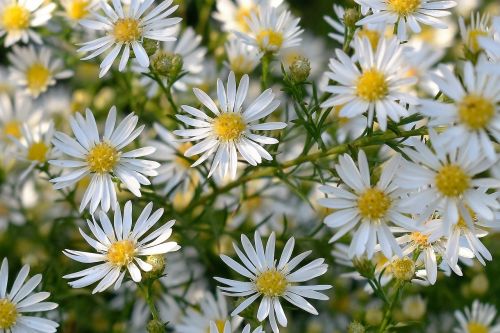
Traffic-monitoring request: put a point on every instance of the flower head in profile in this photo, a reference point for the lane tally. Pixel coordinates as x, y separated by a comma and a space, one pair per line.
102, 157
226, 327
241, 58
479, 26
231, 128
491, 44
271, 280
18, 17
119, 246
125, 28
480, 318
76, 10
16, 304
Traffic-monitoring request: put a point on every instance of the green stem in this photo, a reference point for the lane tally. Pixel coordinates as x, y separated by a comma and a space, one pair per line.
149, 300
266, 60
167, 90
390, 307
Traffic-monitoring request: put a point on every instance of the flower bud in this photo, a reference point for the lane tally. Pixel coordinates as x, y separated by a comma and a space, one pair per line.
351, 16
300, 69
355, 327
403, 269
151, 46
158, 263
364, 267
155, 326
167, 64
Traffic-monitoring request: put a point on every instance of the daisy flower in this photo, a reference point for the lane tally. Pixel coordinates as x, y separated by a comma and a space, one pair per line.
226, 327
403, 13
491, 45
241, 58
272, 30
76, 10
479, 27
231, 130
472, 120
271, 280
20, 301
479, 318
445, 179
376, 85
368, 207
102, 157
126, 28
17, 17
422, 58
35, 71
120, 246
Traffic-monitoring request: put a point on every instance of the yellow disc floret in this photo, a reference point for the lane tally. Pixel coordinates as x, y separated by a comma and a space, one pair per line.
78, 9
269, 39
372, 35
403, 268
229, 126
271, 283
102, 158
404, 7
37, 151
37, 77
242, 14
452, 181
372, 86
15, 17
373, 204
121, 253
475, 111
12, 128
8, 314
419, 239
473, 327
127, 30
473, 41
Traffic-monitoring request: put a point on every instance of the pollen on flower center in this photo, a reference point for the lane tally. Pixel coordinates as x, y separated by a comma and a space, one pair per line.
78, 9
12, 128
373, 204
404, 7
473, 39
475, 111
121, 253
269, 39
452, 181
473, 327
127, 30
37, 77
229, 126
403, 268
372, 86
8, 314
15, 17
271, 283
38, 152
102, 158
418, 238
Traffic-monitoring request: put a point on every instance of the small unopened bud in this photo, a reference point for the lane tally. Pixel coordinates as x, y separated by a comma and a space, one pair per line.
300, 69
151, 46
364, 267
403, 269
158, 263
155, 326
167, 64
351, 16
355, 327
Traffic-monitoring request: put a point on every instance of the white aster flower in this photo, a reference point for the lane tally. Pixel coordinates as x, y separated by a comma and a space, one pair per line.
491, 45
477, 319
17, 17
226, 327
472, 120
422, 58
347, 128
479, 26
76, 10
407, 12
126, 28
368, 207
271, 280
241, 58
272, 30
35, 70
102, 157
119, 247
231, 130
377, 85
20, 300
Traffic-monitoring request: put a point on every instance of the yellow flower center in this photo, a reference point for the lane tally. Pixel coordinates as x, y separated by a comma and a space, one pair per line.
102, 158
372, 35
269, 39
219, 323
372, 86
12, 128
421, 240
78, 9
242, 14
229, 126
127, 30
181, 160
404, 7
37, 77
38, 152
121, 253
472, 39
241, 65
403, 268
452, 181
373, 204
8, 314
15, 17
473, 327
271, 283
476, 111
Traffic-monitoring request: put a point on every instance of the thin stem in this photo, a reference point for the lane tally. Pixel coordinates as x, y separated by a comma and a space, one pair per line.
266, 60
149, 300
388, 312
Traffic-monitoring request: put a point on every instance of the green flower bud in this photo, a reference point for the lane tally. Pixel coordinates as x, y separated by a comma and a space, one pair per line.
167, 64
300, 69
355, 327
403, 269
364, 267
155, 326
158, 262
351, 16
151, 46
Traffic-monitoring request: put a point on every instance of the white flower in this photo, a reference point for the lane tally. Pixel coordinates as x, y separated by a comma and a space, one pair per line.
491, 45
369, 208
76, 10
17, 17
376, 85
422, 58
479, 27
16, 304
241, 58
102, 158
126, 28
347, 128
119, 247
472, 120
446, 180
35, 70
6, 86
226, 327
230, 131
478, 318
272, 280
271, 29
407, 12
